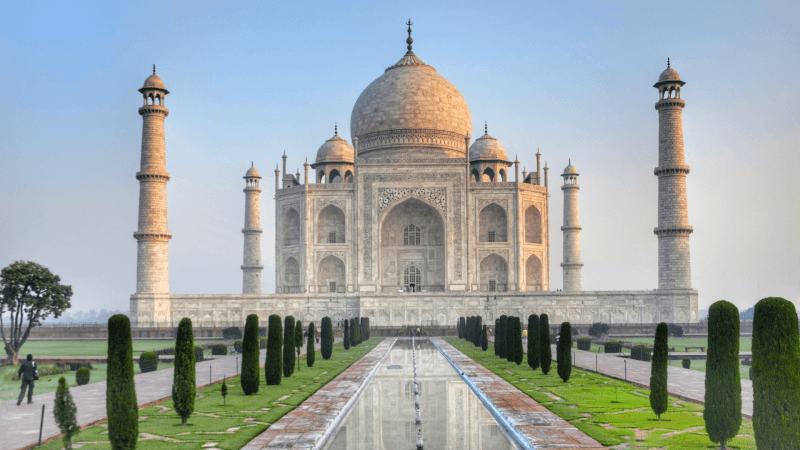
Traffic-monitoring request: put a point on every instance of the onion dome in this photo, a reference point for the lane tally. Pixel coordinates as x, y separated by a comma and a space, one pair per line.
487, 148
570, 170
252, 173
154, 82
335, 149
669, 75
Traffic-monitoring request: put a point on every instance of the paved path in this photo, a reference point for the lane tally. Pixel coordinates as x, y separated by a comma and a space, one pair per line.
303, 426
541, 427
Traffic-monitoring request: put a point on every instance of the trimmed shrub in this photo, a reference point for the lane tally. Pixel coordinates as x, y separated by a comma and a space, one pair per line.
687, 364
298, 341
73, 366
326, 340
262, 342
599, 329
250, 346
510, 344
533, 341
368, 330
311, 352
564, 352
121, 405
198, 354
82, 376
232, 333
165, 351
585, 344
65, 411
238, 346
346, 338
641, 353
288, 346
723, 397
460, 328
545, 353
183, 381
219, 350
519, 352
477, 334
659, 399
612, 347
776, 374
496, 337
675, 330
500, 337
148, 362
353, 332
273, 364
484, 339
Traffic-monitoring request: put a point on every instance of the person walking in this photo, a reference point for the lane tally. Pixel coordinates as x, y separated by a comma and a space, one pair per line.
28, 373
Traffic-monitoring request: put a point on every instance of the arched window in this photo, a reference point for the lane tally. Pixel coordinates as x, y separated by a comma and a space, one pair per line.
488, 175
348, 177
533, 273
412, 278
291, 227
411, 235
331, 226
291, 274
475, 176
503, 175
533, 225
493, 224
334, 177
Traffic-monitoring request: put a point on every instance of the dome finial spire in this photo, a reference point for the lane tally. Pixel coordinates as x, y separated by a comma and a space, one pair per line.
251, 164
154, 69
667, 62
409, 41
335, 128
486, 127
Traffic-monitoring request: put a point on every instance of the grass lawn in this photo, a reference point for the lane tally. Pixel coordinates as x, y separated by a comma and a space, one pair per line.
90, 348
611, 411
233, 424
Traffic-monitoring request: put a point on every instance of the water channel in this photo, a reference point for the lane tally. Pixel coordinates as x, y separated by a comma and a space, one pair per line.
384, 415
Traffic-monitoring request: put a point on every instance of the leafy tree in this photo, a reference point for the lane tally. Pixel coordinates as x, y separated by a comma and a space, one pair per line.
232, 333
545, 353
310, 351
723, 398
183, 381
687, 363
298, 341
598, 329
346, 338
563, 352
326, 340
148, 362
219, 350
533, 341
776, 374
29, 293
288, 346
224, 390
675, 330
273, 364
641, 353
121, 405
250, 353
500, 337
65, 412
659, 398
585, 344
478, 328
484, 339
82, 376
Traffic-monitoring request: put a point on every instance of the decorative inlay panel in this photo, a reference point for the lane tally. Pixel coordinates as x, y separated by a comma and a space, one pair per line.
501, 253
435, 196
484, 202
322, 255
321, 203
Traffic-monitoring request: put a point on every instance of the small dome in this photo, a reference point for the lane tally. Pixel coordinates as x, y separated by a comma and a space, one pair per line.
570, 170
252, 172
487, 147
669, 74
154, 82
335, 149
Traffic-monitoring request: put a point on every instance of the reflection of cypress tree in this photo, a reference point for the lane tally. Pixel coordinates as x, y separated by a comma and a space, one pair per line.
121, 405
723, 399
545, 353
659, 398
250, 350
563, 353
326, 340
347, 335
533, 341
310, 351
500, 337
273, 365
776, 374
288, 346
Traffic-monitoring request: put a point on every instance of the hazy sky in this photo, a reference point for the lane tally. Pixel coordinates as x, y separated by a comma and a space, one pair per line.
249, 81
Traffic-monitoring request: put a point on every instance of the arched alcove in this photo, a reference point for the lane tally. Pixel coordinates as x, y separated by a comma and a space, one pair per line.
493, 224
494, 274
331, 226
533, 274
488, 175
291, 227
533, 225
291, 275
331, 275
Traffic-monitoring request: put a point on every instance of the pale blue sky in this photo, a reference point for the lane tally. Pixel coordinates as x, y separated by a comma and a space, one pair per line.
249, 81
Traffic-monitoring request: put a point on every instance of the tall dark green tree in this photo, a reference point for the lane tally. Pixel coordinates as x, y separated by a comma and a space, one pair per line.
659, 398
183, 377
250, 353
518, 355
776, 374
368, 330
478, 328
496, 337
510, 344
326, 339
468, 329
65, 411
311, 353
533, 341
353, 332
298, 341
500, 337
458, 328
564, 352
346, 334
545, 352
121, 405
288, 346
723, 399
273, 364
484, 339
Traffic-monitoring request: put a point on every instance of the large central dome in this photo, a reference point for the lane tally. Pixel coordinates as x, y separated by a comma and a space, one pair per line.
410, 110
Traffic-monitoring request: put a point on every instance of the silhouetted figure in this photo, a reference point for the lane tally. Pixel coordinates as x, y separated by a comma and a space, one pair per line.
27, 371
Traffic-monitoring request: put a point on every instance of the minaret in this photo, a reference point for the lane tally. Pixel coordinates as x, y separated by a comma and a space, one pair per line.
152, 261
251, 266
572, 231
674, 271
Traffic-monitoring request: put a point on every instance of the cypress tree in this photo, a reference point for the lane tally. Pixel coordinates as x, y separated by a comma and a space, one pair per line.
347, 335
776, 374
298, 341
723, 399
462, 323
273, 364
310, 350
545, 352
563, 352
288, 346
659, 399
458, 328
496, 337
478, 328
533, 341
367, 328
353, 332
121, 405
500, 337
183, 378
250, 352
467, 328
509, 341
520, 350
326, 340
65, 411
484, 340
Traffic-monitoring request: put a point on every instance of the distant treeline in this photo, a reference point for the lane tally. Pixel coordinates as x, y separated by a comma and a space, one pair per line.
91, 316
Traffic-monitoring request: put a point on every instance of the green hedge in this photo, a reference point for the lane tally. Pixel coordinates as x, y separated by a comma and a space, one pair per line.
687, 364
641, 353
585, 343
723, 396
659, 398
148, 362
564, 352
533, 341
82, 376
288, 346
219, 349
238, 346
198, 354
262, 342
612, 347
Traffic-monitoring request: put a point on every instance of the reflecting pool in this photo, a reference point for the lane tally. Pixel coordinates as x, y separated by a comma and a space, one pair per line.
384, 416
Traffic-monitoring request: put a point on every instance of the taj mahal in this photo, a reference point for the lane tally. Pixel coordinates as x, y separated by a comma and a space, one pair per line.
413, 222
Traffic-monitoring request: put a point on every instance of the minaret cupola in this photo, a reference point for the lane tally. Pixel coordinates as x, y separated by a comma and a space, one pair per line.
488, 159
154, 90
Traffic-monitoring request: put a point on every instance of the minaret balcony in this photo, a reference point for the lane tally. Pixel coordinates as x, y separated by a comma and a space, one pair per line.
673, 231
153, 109
671, 170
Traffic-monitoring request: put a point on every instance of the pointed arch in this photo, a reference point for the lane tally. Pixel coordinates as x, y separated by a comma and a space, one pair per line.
348, 177
331, 226
494, 273
291, 227
476, 176
488, 175
331, 274
502, 175
334, 176
493, 224
533, 274
291, 275
533, 225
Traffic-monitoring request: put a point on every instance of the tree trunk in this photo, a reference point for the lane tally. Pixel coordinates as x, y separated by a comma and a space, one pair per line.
183, 421
722, 445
